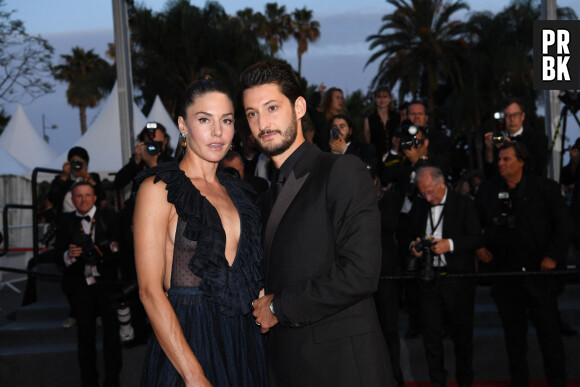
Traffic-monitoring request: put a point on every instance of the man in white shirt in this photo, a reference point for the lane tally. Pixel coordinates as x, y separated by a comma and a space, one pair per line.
450, 221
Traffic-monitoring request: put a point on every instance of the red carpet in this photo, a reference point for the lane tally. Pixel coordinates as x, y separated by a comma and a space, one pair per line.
493, 383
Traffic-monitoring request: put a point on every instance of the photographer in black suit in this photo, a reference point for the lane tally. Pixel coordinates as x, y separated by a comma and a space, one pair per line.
527, 228
446, 226
87, 242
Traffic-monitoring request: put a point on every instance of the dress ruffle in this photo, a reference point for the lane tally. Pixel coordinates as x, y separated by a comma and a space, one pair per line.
232, 288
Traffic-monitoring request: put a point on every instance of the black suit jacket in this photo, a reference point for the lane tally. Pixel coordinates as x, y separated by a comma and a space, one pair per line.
107, 229
543, 225
322, 262
460, 223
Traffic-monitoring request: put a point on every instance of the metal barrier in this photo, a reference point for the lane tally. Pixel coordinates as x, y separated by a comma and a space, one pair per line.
5, 224
33, 206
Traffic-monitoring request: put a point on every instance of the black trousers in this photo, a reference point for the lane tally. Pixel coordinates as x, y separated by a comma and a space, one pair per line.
387, 303
448, 302
536, 297
88, 303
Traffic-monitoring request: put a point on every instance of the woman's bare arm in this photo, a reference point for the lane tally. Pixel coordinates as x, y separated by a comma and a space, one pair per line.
152, 221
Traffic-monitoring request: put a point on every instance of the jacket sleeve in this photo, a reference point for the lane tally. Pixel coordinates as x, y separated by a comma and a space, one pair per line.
127, 173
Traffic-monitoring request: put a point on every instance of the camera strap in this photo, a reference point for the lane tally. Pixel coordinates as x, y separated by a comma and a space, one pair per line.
91, 230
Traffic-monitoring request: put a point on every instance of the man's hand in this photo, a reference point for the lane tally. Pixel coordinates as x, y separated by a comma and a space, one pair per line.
138, 152
337, 145
74, 251
416, 253
66, 169
412, 154
547, 264
484, 255
440, 246
262, 313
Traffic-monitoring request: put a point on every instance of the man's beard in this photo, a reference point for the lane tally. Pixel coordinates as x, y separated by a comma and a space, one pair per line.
288, 137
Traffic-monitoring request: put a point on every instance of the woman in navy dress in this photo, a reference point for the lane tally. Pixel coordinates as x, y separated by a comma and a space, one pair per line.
198, 256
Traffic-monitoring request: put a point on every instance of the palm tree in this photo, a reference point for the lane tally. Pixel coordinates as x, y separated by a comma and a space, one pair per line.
421, 48
89, 79
275, 28
304, 30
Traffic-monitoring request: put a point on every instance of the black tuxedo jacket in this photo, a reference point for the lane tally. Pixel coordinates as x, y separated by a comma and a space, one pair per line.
322, 262
460, 223
107, 229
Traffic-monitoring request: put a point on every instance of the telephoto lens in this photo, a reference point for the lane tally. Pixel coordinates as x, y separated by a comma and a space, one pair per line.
126, 330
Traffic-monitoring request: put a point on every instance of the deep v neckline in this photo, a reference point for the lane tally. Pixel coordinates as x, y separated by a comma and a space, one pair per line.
217, 214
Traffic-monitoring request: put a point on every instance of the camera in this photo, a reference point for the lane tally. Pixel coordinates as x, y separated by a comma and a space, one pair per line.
120, 304
76, 165
91, 254
498, 136
153, 147
506, 218
424, 264
409, 137
334, 133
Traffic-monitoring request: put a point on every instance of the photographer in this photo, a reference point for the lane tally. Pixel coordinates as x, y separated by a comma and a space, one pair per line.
86, 241
73, 170
571, 176
527, 228
151, 150
510, 128
341, 141
447, 232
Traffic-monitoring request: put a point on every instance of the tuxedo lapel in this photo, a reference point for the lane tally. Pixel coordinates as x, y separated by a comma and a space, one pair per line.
287, 195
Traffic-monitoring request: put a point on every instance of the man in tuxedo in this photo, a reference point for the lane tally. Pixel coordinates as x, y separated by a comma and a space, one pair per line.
321, 248
449, 221
86, 243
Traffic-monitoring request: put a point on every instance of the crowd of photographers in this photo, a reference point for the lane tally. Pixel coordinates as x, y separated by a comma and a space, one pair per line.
509, 218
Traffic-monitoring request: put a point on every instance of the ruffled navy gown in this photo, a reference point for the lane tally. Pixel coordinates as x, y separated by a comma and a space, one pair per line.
211, 299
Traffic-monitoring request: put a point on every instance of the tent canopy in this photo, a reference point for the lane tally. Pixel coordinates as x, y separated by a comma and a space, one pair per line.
23, 142
103, 139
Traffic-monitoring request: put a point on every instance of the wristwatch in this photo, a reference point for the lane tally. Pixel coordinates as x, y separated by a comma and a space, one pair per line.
272, 307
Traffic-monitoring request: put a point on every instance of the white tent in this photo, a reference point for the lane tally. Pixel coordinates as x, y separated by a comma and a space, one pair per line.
23, 142
10, 166
159, 114
103, 139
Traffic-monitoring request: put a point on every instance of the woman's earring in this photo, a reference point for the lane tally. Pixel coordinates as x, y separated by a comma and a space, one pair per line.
183, 143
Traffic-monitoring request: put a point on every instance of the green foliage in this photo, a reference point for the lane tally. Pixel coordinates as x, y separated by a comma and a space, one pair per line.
24, 61
173, 48
89, 78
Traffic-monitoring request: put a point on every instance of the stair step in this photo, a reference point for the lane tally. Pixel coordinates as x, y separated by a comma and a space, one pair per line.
32, 333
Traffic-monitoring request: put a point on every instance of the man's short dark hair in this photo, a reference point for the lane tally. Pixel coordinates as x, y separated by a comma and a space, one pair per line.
417, 102
78, 151
517, 100
519, 148
81, 183
266, 72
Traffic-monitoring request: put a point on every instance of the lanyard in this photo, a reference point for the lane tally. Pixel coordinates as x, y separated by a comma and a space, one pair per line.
434, 227
92, 230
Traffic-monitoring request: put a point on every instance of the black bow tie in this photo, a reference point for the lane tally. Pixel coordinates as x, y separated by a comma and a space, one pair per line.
86, 217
